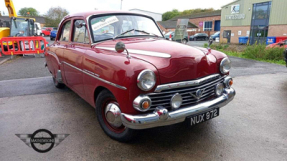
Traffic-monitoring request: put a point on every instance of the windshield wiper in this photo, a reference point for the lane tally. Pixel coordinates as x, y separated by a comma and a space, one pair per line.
134, 30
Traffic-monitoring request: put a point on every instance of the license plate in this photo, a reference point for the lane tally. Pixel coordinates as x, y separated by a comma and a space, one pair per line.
196, 119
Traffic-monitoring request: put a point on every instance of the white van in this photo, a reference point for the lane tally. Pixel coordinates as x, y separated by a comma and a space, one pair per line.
37, 29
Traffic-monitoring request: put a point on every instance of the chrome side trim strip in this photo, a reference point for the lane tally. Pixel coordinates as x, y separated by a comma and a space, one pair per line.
96, 76
197, 82
141, 52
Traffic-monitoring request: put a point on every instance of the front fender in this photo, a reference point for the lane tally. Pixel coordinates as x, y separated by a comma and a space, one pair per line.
117, 73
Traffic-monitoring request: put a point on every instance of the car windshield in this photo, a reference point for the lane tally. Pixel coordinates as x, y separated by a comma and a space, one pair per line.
108, 27
19, 27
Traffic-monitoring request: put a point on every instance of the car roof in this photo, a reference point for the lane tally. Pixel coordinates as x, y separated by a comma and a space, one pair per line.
99, 12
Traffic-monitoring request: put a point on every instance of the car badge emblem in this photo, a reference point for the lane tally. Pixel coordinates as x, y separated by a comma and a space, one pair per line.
198, 94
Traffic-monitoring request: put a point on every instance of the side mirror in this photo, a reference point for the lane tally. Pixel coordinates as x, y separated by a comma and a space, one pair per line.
120, 47
210, 41
79, 25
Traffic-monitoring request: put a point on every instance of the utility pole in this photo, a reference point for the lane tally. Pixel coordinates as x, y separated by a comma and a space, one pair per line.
121, 4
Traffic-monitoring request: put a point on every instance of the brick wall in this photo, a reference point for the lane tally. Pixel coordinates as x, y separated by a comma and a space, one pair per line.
274, 30
234, 39
196, 22
277, 30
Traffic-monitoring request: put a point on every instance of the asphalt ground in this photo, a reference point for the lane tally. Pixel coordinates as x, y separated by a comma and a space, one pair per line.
251, 127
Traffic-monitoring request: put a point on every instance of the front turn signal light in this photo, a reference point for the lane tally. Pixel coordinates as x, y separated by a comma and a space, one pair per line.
230, 82
145, 105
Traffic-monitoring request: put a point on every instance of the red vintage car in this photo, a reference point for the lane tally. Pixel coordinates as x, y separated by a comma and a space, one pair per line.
121, 64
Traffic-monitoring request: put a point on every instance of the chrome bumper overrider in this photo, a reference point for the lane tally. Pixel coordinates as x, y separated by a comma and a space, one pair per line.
161, 116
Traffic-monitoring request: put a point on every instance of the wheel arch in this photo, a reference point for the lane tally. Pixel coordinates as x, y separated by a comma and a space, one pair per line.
98, 90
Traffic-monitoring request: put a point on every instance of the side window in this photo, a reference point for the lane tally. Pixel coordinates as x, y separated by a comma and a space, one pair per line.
80, 34
65, 31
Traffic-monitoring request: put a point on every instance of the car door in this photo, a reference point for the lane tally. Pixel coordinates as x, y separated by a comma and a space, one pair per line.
74, 56
56, 50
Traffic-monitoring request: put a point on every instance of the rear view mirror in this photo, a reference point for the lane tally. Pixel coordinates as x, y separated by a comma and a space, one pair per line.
79, 25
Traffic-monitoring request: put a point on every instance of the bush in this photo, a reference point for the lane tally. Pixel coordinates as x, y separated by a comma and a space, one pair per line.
274, 54
259, 51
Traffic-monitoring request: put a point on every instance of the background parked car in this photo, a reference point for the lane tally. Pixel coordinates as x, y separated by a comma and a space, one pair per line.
53, 34
198, 36
279, 44
167, 36
47, 31
215, 35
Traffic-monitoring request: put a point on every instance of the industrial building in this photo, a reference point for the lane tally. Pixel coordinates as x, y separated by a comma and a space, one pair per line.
258, 20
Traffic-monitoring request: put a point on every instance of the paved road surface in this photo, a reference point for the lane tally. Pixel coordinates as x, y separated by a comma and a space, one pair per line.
249, 128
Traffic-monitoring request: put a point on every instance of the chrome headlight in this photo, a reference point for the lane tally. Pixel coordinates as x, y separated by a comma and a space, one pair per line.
225, 65
146, 80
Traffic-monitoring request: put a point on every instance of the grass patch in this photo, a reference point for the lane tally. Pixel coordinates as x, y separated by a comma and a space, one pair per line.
257, 52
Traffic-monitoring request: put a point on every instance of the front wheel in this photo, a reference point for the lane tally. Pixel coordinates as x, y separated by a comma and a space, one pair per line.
57, 84
109, 117
42, 34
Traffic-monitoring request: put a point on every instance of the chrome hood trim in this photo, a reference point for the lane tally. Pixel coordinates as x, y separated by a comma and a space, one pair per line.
141, 52
197, 82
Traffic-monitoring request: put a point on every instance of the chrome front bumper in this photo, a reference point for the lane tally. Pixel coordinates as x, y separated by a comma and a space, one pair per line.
161, 116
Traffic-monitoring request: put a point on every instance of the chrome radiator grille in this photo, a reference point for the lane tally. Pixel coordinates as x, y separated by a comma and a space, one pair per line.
163, 98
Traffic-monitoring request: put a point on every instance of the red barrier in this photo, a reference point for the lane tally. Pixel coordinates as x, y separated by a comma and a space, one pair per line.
22, 45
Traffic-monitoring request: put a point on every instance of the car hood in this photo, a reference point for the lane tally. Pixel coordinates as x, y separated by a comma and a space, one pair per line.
174, 61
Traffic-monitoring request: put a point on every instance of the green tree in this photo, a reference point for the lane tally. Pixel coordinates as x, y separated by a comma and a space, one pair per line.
28, 11
54, 16
170, 14
197, 10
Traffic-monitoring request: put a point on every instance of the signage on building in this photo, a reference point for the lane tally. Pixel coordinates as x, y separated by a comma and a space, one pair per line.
235, 8
181, 29
200, 24
235, 17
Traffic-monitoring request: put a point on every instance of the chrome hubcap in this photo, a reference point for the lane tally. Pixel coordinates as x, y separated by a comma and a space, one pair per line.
113, 115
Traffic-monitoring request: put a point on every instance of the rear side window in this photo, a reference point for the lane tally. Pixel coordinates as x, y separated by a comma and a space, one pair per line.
80, 34
65, 31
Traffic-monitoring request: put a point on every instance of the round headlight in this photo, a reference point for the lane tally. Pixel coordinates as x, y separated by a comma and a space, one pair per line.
225, 66
146, 80
219, 89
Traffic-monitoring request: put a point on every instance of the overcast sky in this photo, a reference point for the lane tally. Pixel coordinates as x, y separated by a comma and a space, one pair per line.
73, 6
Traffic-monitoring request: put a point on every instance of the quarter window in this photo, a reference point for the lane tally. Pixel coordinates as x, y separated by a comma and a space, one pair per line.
207, 26
80, 34
65, 31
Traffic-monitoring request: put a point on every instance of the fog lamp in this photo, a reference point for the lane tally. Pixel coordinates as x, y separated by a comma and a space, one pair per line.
176, 101
219, 89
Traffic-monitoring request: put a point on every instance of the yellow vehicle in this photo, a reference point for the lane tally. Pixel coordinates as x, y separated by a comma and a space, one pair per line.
19, 26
